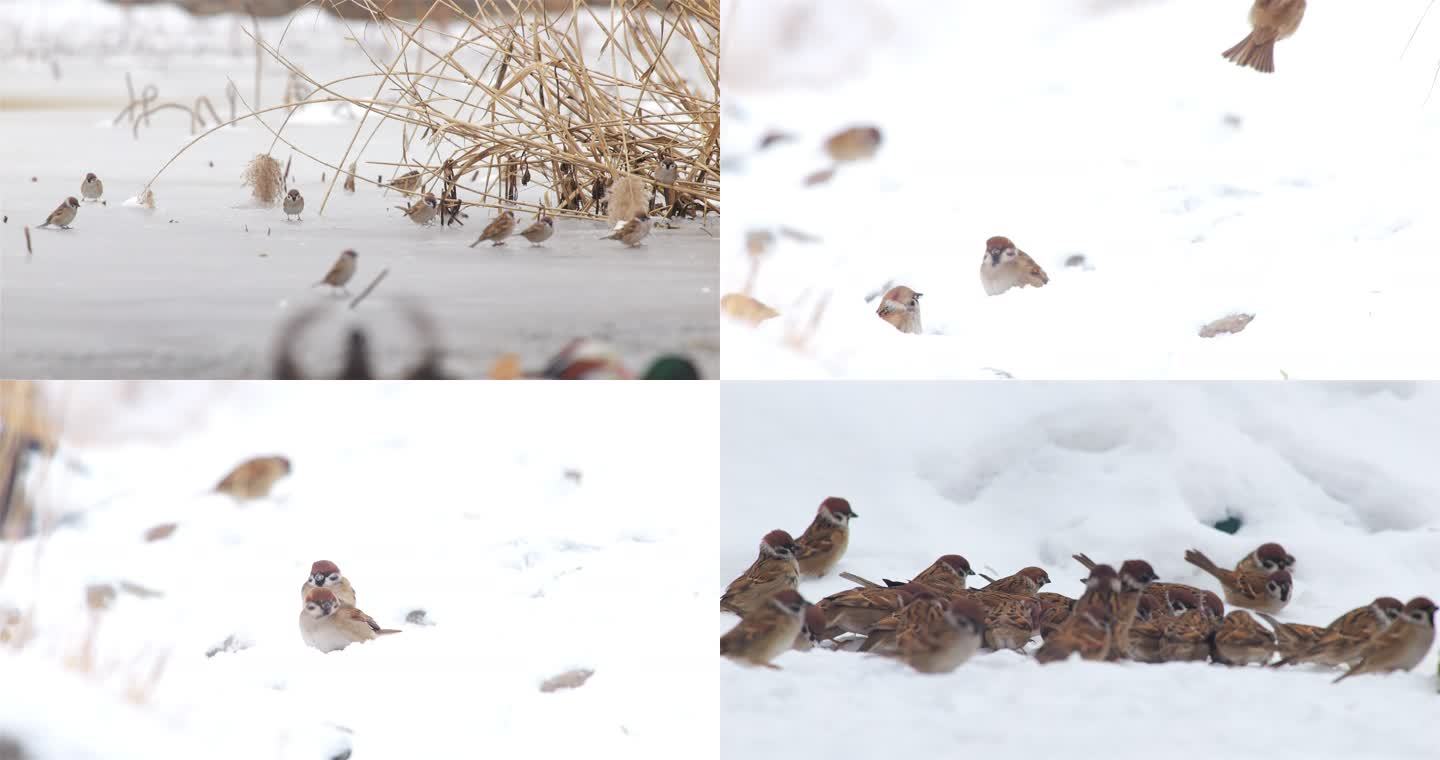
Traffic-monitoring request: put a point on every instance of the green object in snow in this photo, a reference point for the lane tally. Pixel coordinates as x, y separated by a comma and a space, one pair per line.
1228, 525
672, 367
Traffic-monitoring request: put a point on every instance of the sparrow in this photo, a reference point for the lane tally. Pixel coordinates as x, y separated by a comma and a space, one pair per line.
1054, 611
497, 230
768, 631
1166, 602
328, 625
63, 215
1087, 630
666, 175
1011, 620
810, 632
253, 478
293, 204
1135, 576
1004, 267
423, 211
325, 574
1292, 639
409, 181
1270, 22
1241, 640
853, 144
1266, 559
1262, 592
540, 231
1027, 582
859, 610
774, 569
632, 232
822, 544
940, 644
945, 575
92, 188
919, 606
1345, 638
340, 272
901, 308
1402, 645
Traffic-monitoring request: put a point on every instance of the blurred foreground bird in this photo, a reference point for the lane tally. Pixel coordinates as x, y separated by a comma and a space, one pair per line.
1270, 22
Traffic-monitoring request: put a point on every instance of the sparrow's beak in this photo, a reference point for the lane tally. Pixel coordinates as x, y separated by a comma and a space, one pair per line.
995, 258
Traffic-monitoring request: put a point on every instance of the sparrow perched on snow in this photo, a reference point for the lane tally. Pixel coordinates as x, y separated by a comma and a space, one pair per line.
901, 308
1292, 639
1005, 266
423, 211
325, 574
774, 569
812, 630
92, 188
1241, 640
1266, 559
1136, 575
1270, 22
1027, 582
768, 631
1166, 603
859, 610
328, 625
497, 230
1262, 592
1345, 638
1087, 630
63, 215
293, 204
822, 544
340, 272
1055, 609
253, 478
1176, 638
540, 231
853, 144
1011, 620
945, 575
1402, 645
940, 643
633, 231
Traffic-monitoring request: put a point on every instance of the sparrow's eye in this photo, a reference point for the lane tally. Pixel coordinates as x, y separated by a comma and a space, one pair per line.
1273, 586
1010, 253
334, 576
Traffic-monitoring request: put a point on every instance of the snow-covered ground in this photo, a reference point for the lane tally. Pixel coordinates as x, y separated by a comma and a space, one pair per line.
200, 286
1010, 475
452, 499
1114, 131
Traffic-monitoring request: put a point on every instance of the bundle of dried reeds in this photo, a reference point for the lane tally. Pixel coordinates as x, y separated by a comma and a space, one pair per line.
508, 92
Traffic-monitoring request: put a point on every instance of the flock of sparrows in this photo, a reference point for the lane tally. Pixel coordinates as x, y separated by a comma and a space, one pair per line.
935, 622
1004, 266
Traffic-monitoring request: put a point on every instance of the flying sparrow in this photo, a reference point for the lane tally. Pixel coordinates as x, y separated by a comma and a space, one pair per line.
1262, 592
1266, 559
901, 308
1087, 629
423, 211
940, 644
63, 215
1402, 645
768, 631
632, 232
293, 204
340, 272
1004, 267
328, 625
822, 544
774, 569
497, 230
92, 188
1270, 22
325, 574
1027, 582
253, 478
853, 144
1345, 638
1241, 640
540, 231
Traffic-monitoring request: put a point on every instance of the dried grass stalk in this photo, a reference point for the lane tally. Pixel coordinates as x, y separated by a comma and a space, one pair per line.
265, 178
626, 199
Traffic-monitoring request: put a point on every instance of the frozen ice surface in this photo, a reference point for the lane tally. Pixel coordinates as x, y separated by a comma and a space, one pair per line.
1010, 475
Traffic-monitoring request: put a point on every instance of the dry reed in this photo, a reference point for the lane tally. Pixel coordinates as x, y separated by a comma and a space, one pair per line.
263, 176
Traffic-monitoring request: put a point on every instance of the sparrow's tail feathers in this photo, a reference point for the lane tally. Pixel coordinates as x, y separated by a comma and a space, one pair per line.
1084, 560
384, 631
1201, 561
1253, 53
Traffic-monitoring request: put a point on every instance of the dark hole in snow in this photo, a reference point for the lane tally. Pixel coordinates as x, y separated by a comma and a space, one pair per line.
1076, 260
343, 755
1229, 525
418, 617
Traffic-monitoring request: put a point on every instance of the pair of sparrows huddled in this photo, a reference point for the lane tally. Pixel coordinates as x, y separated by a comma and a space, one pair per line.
1003, 267
329, 619
502, 226
91, 188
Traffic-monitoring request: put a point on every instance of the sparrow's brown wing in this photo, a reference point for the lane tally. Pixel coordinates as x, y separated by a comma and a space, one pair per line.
354, 613
814, 543
532, 229
744, 635
54, 217
630, 227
